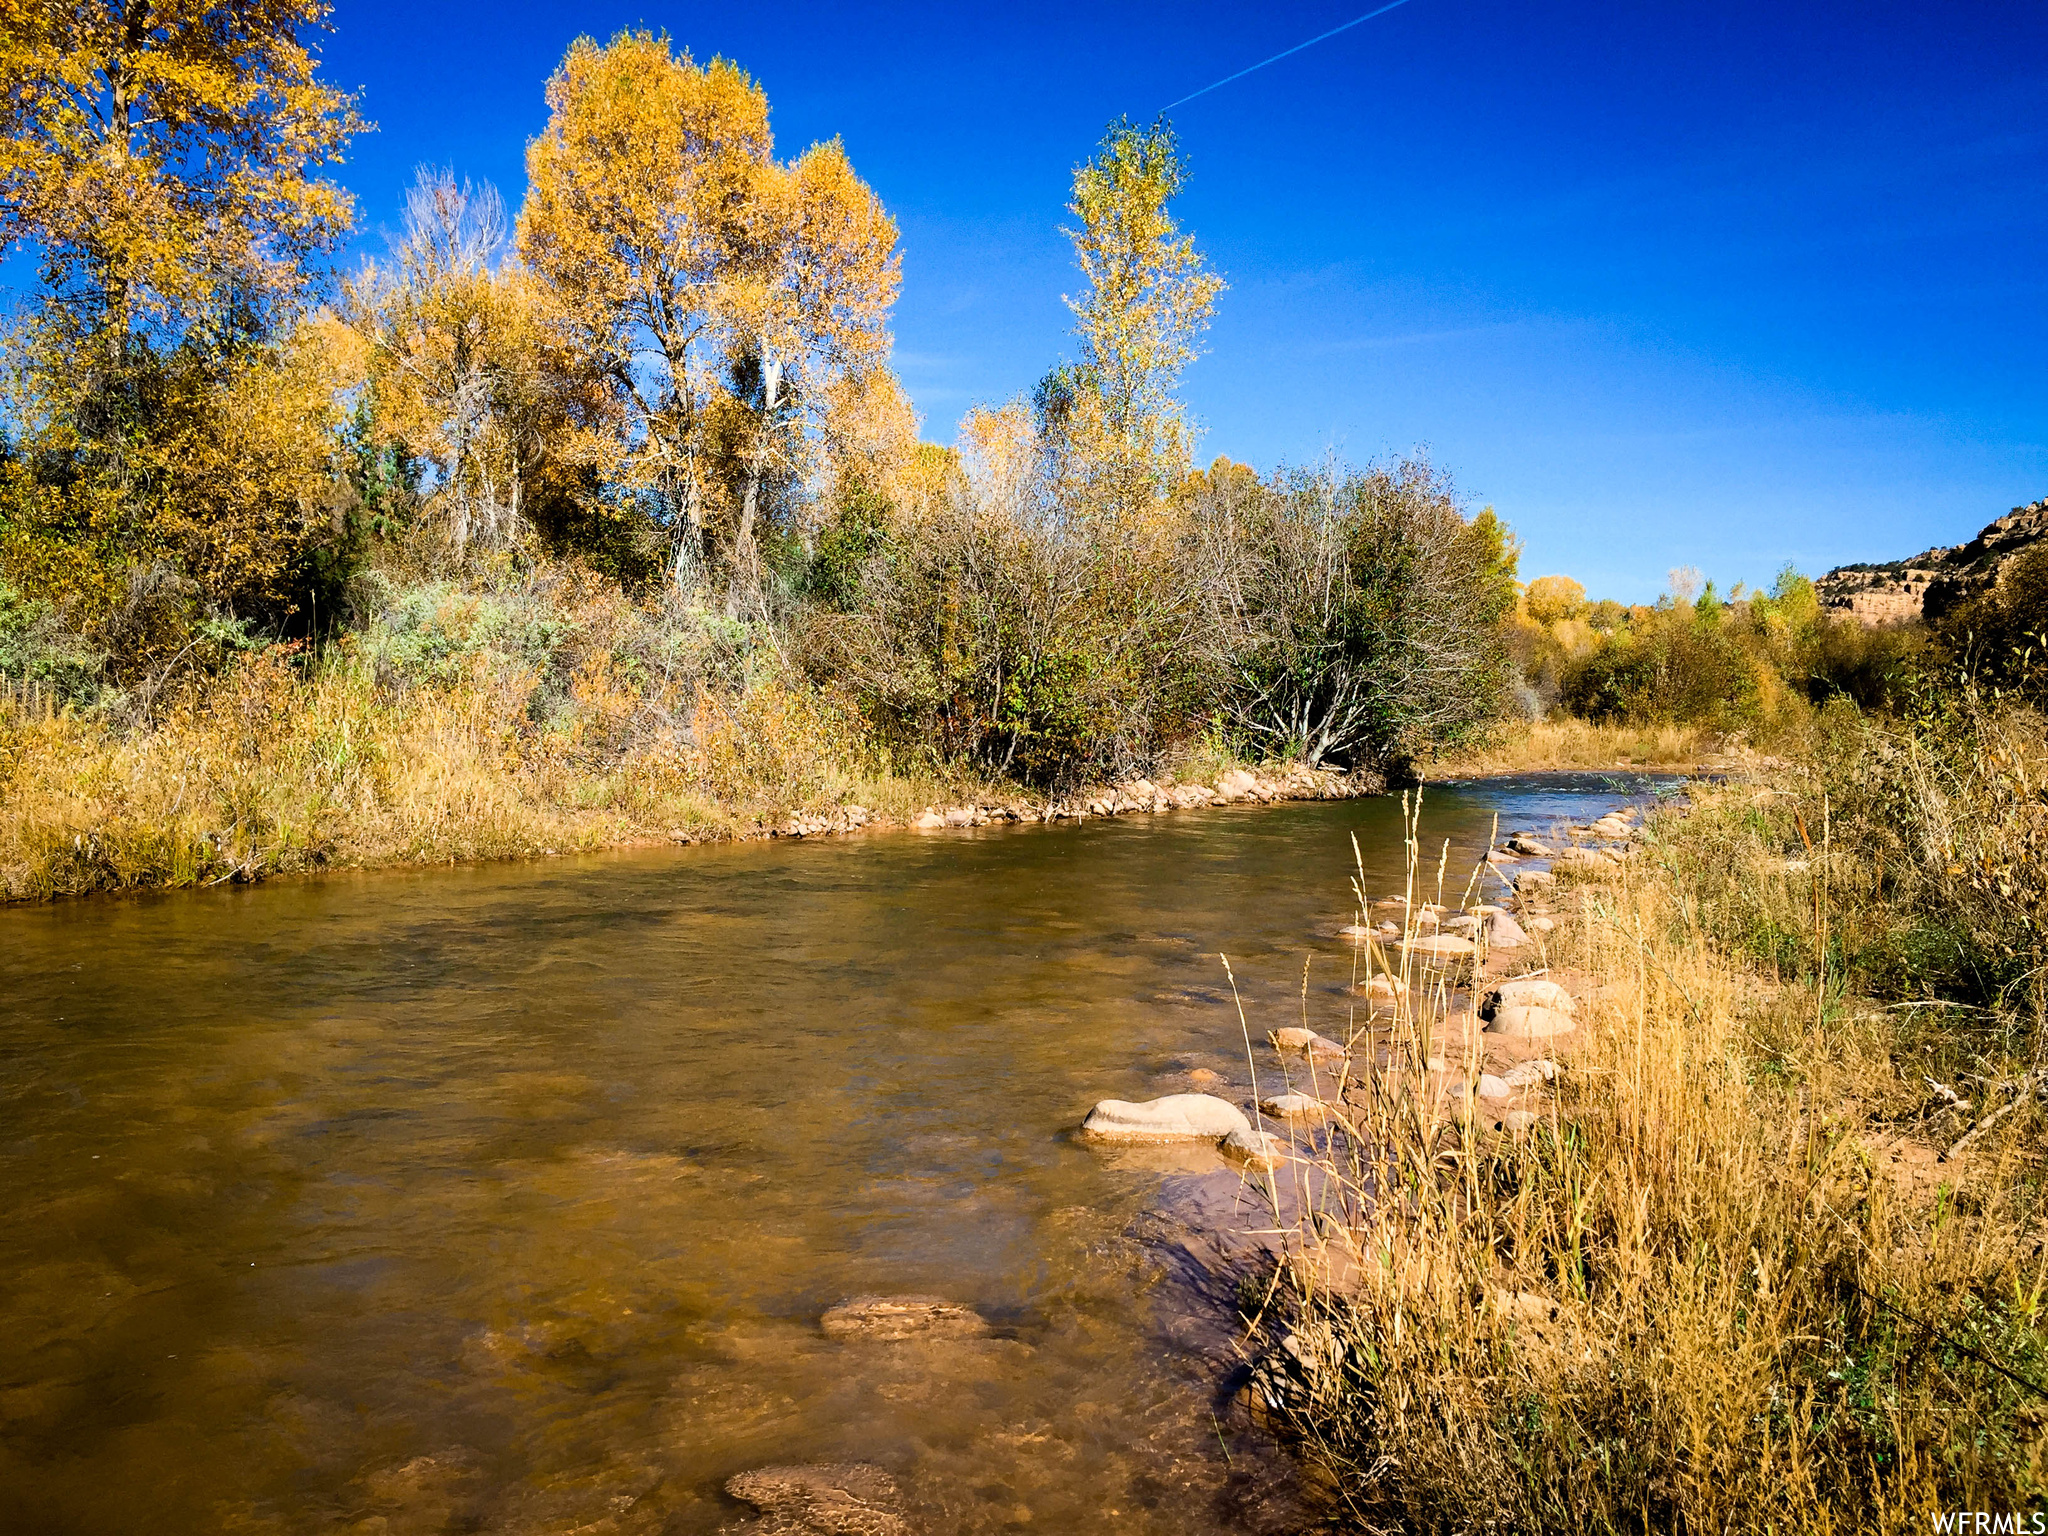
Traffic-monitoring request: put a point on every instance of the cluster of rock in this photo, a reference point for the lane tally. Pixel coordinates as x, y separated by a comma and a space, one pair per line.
1599, 845
1294, 781
1932, 584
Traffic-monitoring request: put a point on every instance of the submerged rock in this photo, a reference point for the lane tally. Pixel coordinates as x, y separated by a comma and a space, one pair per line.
1177, 1117
901, 1317
841, 1499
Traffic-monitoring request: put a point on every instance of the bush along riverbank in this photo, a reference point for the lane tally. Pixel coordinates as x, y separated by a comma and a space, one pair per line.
1700, 1186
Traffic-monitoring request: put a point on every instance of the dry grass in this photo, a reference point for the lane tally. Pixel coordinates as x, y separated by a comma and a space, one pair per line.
1728, 1284
284, 766
1532, 746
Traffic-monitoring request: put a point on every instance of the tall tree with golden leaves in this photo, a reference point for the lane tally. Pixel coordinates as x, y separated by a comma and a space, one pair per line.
163, 156
700, 272
1148, 299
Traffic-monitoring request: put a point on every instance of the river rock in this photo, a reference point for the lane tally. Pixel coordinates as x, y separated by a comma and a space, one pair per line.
1534, 879
1177, 1117
1503, 932
1585, 858
840, 1499
1259, 1151
1528, 846
961, 816
891, 1318
1529, 1073
928, 821
1542, 924
1491, 1087
1236, 785
1384, 991
1532, 991
1441, 946
1306, 1041
1293, 1106
1466, 923
1520, 1021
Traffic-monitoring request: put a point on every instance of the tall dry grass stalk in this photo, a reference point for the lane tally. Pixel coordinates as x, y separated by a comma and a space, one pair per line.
1728, 1282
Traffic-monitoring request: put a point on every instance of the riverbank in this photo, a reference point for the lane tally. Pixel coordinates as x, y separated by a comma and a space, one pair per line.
274, 772
1767, 1252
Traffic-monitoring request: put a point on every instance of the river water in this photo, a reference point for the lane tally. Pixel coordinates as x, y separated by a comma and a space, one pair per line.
508, 1198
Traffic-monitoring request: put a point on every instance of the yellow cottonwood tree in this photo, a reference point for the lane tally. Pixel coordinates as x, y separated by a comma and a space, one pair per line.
1148, 299
699, 272
467, 370
162, 154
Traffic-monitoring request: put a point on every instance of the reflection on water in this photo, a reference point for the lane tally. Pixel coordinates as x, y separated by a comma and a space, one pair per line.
507, 1199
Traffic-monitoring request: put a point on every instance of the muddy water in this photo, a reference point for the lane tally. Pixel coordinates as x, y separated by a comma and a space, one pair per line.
507, 1199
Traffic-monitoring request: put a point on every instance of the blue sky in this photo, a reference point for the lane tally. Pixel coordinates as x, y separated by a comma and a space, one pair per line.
1726, 286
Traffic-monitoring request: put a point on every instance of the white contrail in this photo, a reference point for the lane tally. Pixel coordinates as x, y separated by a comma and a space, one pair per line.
1205, 90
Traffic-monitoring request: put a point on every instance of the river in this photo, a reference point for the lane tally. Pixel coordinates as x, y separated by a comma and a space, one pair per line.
508, 1198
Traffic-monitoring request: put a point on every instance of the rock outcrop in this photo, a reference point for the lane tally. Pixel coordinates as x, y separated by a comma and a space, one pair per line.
1929, 585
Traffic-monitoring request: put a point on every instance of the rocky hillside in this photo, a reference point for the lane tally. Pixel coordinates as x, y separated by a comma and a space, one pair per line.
1932, 584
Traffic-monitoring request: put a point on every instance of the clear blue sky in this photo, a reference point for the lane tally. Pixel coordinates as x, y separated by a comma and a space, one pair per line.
1724, 286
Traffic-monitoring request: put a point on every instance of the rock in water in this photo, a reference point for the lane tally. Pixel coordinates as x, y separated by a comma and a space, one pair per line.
928, 821
1528, 846
1384, 991
845, 1499
1293, 1106
1177, 1117
1260, 1151
1305, 1041
901, 1317
1520, 1021
1442, 946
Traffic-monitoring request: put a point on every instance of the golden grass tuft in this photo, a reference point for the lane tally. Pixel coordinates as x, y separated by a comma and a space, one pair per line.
1539, 745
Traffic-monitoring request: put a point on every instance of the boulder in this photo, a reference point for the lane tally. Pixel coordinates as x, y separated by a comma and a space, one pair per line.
840, 1499
901, 1317
1503, 932
1177, 1117
1491, 1087
1528, 846
961, 816
1293, 1106
1141, 789
1497, 857
1520, 1021
1534, 879
1465, 922
928, 821
1236, 785
1542, 924
1188, 796
1305, 1041
1534, 991
1258, 1151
